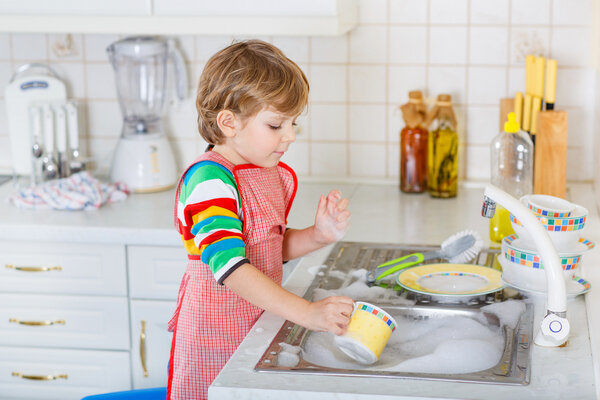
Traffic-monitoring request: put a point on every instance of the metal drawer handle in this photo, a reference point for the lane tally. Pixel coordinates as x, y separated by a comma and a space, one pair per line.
33, 269
40, 377
143, 348
37, 323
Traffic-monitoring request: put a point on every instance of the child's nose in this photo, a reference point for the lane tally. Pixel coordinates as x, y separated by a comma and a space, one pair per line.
290, 134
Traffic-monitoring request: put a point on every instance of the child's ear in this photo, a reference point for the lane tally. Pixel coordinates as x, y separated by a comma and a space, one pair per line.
226, 122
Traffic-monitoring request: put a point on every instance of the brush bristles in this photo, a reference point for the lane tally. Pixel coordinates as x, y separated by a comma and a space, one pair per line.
470, 253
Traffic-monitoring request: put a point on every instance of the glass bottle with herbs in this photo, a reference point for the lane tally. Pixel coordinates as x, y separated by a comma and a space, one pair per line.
413, 145
442, 157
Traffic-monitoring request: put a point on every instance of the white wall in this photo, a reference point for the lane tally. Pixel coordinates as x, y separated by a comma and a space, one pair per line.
472, 49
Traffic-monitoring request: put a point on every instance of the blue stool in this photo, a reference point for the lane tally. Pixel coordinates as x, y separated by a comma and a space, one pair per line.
139, 394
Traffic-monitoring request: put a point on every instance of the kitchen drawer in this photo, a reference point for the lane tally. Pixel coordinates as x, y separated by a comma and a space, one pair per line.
155, 271
85, 322
151, 342
79, 373
46, 267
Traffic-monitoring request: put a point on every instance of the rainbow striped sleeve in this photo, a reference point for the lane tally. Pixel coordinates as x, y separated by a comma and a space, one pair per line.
209, 218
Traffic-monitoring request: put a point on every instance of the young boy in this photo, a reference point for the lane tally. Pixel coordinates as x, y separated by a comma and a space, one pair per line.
231, 209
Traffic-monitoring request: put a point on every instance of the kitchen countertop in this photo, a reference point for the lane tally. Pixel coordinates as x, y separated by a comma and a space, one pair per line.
379, 214
383, 214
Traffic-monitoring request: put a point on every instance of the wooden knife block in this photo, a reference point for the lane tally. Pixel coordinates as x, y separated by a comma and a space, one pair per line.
550, 154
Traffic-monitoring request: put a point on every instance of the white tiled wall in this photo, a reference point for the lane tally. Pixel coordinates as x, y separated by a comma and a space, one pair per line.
472, 49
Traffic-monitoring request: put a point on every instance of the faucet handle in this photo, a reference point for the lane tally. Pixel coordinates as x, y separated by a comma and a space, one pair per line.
554, 331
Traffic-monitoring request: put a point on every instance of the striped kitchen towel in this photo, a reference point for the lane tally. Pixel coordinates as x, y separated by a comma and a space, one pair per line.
80, 191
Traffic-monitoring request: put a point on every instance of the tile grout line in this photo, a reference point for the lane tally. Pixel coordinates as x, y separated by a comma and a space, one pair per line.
308, 116
387, 156
508, 47
465, 108
347, 105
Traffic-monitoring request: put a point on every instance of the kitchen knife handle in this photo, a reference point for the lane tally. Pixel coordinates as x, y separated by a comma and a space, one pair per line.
36, 122
61, 129
551, 67
37, 323
32, 269
40, 377
143, 348
72, 125
48, 130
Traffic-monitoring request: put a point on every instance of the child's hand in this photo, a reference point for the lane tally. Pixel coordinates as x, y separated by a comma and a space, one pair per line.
331, 314
332, 220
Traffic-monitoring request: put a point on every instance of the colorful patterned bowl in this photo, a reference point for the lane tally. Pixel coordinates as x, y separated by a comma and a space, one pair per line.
523, 266
564, 232
549, 206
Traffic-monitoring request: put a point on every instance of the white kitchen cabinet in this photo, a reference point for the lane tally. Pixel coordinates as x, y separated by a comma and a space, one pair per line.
79, 8
62, 268
155, 271
151, 345
64, 307
184, 17
36, 373
84, 322
154, 276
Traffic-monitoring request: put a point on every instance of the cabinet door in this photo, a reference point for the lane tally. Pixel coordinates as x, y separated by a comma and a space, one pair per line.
70, 7
47, 267
155, 271
151, 342
33, 373
85, 322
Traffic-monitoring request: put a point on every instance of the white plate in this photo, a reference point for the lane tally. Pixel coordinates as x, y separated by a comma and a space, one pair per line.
450, 280
575, 287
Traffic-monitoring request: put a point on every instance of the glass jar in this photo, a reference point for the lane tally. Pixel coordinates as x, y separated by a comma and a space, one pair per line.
442, 157
413, 146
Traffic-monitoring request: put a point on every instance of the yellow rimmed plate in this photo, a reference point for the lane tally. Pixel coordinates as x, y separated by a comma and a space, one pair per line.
451, 279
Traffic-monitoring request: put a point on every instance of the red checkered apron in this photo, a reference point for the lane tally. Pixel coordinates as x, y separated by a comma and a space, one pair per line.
211, 320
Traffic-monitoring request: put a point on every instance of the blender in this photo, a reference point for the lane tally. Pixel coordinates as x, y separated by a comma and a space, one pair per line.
143, 158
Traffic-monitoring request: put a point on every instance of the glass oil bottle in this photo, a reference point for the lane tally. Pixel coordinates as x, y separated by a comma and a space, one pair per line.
511, 170
413, 145
442, 155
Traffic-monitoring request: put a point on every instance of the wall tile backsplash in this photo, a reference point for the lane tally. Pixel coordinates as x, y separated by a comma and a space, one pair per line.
472, 49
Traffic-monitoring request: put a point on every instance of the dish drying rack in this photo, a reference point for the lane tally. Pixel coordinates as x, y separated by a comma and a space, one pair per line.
349, 256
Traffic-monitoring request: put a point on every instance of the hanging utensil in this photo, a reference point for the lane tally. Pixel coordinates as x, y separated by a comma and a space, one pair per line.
49, 167
61, 140
75, 162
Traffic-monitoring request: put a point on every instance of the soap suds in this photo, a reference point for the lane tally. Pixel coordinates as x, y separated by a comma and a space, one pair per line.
452, 284
508, 312
289, 356
315, 269
447, 345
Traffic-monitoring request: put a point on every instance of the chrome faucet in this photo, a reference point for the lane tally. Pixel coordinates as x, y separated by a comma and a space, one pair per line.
554, 329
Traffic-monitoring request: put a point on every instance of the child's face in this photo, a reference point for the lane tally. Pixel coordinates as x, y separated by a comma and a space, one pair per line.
262, 139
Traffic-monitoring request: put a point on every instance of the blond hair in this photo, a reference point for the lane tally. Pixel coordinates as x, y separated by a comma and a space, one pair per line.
244, 78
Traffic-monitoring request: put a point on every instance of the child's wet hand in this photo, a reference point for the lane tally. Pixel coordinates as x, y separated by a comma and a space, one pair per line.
333, 218
332, 314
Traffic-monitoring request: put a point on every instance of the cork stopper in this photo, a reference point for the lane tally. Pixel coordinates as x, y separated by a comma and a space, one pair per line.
414, 111
442, 109
415, 95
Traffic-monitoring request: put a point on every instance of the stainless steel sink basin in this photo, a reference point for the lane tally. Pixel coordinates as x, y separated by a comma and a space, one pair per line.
512, 369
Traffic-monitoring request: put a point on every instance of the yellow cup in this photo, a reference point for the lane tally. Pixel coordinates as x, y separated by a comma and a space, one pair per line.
368, 332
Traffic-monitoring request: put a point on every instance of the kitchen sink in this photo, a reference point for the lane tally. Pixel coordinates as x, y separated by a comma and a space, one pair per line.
513, 367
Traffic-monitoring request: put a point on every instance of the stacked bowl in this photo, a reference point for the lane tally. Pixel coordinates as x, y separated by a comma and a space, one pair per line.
522, 266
